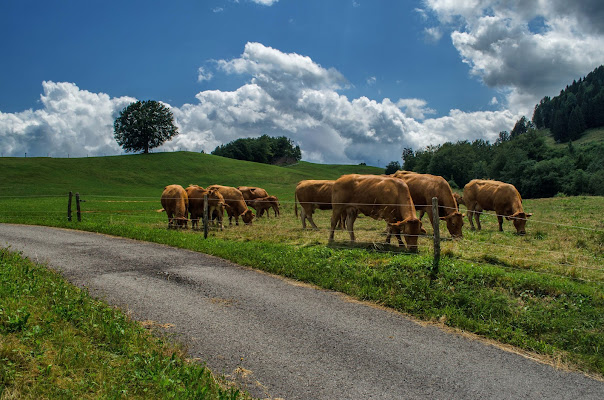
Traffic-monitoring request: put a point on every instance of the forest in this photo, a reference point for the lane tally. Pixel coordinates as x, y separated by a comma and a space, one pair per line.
264, 149
526, 161
579, 106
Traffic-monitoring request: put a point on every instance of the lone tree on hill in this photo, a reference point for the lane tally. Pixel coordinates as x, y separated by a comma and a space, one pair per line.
144, 125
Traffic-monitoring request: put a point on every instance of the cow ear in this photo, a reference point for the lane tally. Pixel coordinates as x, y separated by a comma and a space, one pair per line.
529, 215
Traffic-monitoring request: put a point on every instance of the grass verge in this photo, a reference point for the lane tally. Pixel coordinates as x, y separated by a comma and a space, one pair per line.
58, 342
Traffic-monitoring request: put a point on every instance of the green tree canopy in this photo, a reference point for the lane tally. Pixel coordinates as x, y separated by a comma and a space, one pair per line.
144, 125
265, 149
392, 167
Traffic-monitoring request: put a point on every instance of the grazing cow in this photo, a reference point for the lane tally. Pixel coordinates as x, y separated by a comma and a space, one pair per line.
196, 204
423, 188
459, 200
503, 198
379, 197
250, 193
175, 202
262, 204
312, 195
235, 204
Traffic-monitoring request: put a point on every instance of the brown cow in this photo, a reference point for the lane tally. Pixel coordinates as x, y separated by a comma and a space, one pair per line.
262, 204
459, 200
378, 197
312, 195
196, 204
423, 188
503, 198
175, 202
235, 204
250, 193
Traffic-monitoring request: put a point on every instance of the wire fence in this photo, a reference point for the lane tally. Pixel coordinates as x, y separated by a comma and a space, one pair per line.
552, 248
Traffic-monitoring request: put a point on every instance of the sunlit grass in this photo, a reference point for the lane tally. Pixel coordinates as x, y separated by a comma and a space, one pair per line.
542, 292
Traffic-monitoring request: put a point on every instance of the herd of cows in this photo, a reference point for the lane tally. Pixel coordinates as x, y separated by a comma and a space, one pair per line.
394, 198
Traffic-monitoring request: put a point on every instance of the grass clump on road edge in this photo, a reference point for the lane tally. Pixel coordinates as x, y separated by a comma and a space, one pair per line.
58, 342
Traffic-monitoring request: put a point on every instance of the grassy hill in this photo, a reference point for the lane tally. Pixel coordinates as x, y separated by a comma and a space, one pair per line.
147, 174
591, 136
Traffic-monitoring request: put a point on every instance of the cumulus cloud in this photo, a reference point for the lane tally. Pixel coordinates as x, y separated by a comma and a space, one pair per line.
286, 94
289, 94
71, 121
498, 41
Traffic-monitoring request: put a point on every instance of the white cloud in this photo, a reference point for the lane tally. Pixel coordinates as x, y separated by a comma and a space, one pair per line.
494, 101
287, 94
71, 121
371, 80
495, 39
203, 75
433, 34
265, 2
415, 108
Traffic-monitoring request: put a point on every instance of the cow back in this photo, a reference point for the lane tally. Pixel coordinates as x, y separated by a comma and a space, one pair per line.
316, 192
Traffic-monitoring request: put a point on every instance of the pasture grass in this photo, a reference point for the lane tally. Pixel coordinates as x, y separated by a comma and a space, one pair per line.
542, 292
58, 342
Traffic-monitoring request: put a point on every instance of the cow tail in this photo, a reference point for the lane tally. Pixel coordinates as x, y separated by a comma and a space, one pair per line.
296, 204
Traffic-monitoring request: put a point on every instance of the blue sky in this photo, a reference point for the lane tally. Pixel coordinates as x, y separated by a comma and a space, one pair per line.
348, 80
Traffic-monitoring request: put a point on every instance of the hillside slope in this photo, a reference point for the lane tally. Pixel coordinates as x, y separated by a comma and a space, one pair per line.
143, 174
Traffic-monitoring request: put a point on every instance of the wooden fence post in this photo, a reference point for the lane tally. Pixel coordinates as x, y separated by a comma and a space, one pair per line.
69, 206
436, 226
78, 207
205, 216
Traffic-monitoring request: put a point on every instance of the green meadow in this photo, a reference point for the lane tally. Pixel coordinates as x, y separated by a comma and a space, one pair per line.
542, 292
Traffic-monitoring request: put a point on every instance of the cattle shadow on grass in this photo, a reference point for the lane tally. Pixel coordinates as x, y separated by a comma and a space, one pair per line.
368, 246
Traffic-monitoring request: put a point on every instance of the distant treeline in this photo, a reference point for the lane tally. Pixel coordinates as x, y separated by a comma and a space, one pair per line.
525, 160
265, 149
578, 107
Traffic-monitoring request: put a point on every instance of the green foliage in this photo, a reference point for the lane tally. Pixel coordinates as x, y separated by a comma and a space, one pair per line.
392, 167
523, 159
577, 108
265, 149
144, 125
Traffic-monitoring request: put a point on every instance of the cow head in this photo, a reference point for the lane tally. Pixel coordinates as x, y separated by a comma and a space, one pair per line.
410, 229
215, 197
519, 220
454, 223
247, 217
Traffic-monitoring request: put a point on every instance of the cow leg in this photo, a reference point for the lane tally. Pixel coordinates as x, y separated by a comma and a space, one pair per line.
477, 216
303, 217
500, 220
421, 214
470, 217
336, 215
351, 216
170, 219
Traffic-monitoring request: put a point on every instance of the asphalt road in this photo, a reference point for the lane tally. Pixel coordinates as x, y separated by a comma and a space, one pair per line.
280, 339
